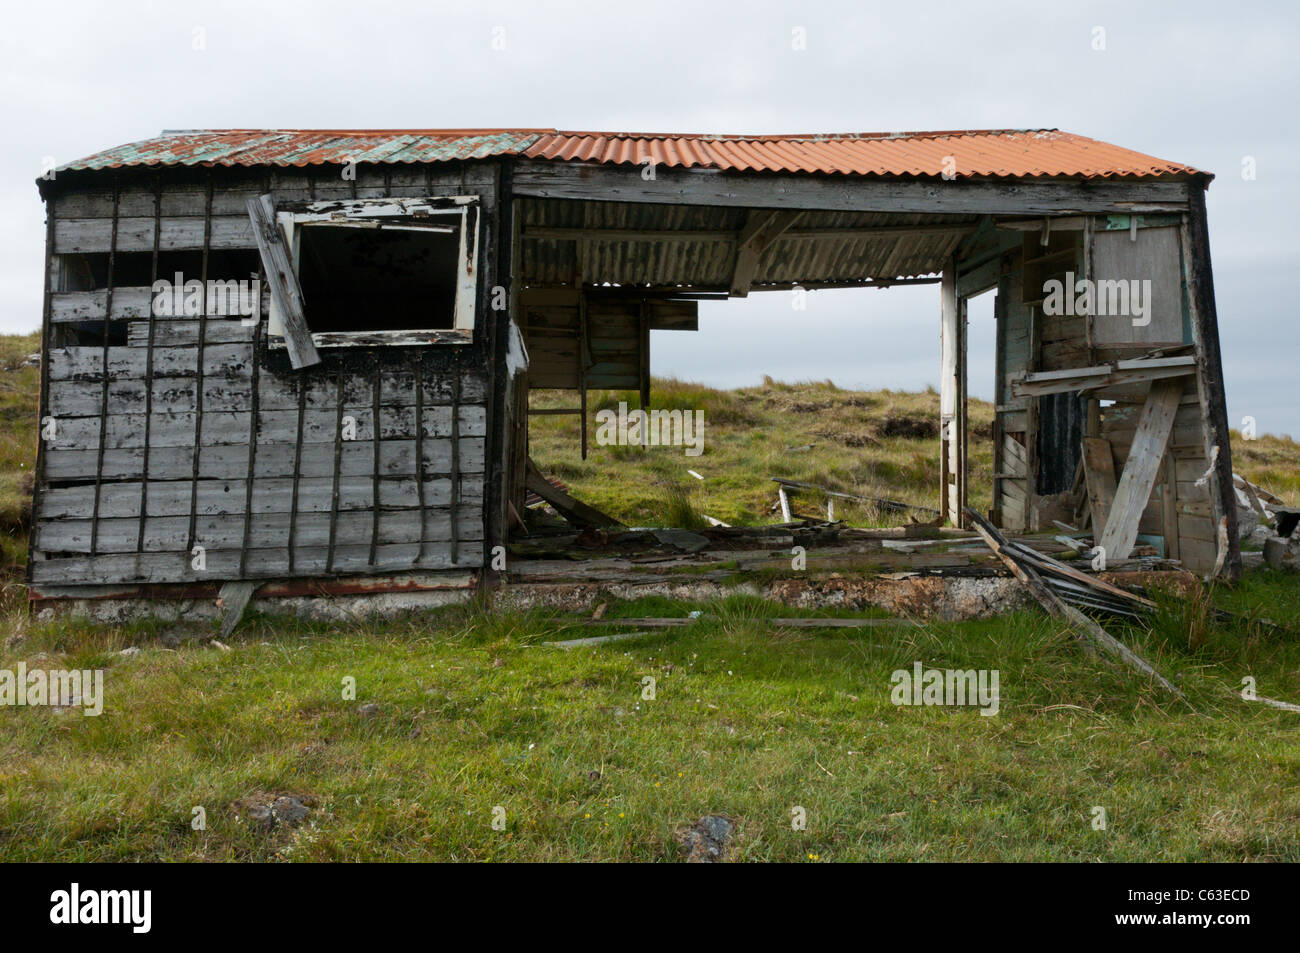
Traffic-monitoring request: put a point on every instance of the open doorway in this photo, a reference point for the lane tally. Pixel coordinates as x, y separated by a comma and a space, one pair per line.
820, 405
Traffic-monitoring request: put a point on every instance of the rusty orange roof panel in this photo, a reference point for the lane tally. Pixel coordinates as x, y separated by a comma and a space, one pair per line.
995, 153
968, 154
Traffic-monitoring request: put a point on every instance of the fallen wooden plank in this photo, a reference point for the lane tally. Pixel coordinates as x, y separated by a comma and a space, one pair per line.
656, 623
1055, 565
1144, 461
1275, 703
1082, 625
836, 623
596, 640
787, 485
575, 511
285, 290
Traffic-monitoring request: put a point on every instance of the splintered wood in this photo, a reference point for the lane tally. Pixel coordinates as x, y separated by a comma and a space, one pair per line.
1083, 627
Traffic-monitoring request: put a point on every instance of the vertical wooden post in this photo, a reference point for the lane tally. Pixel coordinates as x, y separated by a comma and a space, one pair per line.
584, 359
643, 329
498, 249
952, 399
1209, 374
47, 327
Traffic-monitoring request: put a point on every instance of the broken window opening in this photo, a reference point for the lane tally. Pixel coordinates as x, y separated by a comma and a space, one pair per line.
383, 271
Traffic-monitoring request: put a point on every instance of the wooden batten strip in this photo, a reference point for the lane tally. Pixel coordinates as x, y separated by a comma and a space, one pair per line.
148, 368
338, 456
297, 470
374, 510
103, 417
455, 466
252, 463
418, 363
198, 394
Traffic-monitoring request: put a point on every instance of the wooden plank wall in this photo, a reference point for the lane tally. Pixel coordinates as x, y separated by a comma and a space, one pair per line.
614, 345
1178, 509
195, 433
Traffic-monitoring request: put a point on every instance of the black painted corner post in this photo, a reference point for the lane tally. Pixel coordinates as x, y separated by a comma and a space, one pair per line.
497, 340
1209, 375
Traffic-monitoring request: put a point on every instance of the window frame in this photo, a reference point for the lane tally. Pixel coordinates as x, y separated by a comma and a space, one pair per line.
459, 213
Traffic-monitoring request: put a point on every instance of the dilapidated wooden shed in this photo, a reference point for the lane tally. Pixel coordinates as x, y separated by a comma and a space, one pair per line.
302, 358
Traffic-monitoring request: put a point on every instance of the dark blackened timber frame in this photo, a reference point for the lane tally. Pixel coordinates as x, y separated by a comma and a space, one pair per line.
497, 272
198, 379
1209, 380
43, 399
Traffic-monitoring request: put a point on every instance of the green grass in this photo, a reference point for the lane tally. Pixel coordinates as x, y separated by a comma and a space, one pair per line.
883, 444
19, 397
748, 720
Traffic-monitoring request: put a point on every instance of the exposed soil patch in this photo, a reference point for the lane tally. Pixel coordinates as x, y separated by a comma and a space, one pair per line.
909, 425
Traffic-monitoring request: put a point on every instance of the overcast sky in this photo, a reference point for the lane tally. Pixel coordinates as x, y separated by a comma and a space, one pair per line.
1201, 83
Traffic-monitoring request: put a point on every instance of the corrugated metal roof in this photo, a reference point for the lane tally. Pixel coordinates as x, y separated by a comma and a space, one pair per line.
302, 147
974, 153
964, 154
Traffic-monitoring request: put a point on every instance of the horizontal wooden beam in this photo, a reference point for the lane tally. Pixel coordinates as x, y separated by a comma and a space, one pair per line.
1088, 378
572, 180
557, 233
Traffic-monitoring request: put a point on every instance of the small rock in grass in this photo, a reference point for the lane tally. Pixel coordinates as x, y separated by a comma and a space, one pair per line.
285, 810
705, 841
289, 810
130, 651
368, 709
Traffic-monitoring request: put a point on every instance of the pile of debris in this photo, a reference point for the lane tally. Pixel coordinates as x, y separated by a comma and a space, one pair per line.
1061, 589
1265, 519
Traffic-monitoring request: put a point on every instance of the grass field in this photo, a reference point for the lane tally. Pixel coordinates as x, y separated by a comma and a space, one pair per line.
458, 711
748, 720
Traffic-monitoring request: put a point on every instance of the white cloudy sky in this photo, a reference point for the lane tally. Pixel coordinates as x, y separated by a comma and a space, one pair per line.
1200, 83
